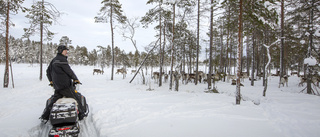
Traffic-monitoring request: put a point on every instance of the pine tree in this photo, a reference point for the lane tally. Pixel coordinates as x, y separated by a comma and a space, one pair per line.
65, 40
231, 19
305, 15
108, 55
11, 6
210, 48
41, 15
198, 45
111, 9
156, 14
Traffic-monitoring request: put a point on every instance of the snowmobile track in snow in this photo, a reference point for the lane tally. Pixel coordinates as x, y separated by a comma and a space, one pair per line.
41, 130
87, 127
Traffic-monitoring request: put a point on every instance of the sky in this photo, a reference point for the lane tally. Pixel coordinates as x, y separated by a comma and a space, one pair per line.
78, 24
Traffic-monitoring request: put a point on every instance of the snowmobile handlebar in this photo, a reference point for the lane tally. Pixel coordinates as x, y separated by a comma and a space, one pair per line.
76, 83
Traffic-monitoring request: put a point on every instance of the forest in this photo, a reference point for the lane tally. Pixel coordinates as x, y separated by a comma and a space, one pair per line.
239, 35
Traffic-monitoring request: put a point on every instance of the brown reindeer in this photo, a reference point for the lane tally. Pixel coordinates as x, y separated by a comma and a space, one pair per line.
133, 71
122, 71
166, 76
284, 80
155, 76
98, 71
294, 72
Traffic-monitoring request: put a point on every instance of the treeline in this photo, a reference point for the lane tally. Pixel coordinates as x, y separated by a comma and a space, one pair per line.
27, 51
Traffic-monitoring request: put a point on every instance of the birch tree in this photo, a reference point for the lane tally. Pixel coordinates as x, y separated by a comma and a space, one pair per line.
211, 86
266, 67
238, 95
172, 48
129, 30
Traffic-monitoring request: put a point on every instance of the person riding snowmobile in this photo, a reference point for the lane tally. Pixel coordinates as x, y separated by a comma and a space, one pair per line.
60, 75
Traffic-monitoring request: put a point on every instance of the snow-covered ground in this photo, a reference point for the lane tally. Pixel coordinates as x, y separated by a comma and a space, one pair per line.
122, 109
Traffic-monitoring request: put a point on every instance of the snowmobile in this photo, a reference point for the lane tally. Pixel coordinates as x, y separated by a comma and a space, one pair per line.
64, 115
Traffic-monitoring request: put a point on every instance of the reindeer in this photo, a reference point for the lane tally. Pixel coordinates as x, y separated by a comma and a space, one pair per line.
185, 78
294, 72
232, 77
122, 71
133, 71
155, 76
315, 80
234, 82
302, 81
284, 80
192, 76
243, 75
166, 76
98, 71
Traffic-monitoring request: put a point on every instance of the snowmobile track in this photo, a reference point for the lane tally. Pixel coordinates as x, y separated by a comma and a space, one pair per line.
87, 127
41, 130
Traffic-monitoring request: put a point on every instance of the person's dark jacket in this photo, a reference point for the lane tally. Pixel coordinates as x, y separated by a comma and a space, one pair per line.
60, 73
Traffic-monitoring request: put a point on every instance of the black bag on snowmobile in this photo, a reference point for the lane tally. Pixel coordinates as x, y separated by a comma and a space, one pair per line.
83, 107
64, 111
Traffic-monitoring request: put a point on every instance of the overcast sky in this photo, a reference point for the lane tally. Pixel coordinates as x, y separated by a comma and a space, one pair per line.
78, 24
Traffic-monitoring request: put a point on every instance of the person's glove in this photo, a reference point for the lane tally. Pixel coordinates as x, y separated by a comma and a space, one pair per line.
51, 84
77, 82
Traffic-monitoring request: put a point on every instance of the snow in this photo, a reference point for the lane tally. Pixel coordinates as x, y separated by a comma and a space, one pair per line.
317, 32
122, 109
310, 61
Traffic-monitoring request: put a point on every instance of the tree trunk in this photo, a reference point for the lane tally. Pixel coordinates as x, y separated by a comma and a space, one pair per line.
266, 67
248, 59
309, 78
258, 59
155, 45
226, 65
210, 49
253, 59
41, 39
160, 51
190, 61
164, 44
238, 95
172, 52
264, 61
112, 45
176, 79
6, 71
197, 62
183, 66
265, 70
282, 42
221, 51
11, 74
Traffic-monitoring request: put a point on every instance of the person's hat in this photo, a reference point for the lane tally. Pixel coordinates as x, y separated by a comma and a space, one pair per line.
61, 48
